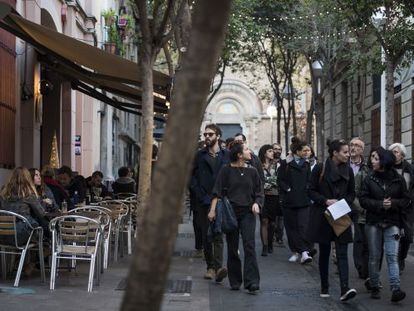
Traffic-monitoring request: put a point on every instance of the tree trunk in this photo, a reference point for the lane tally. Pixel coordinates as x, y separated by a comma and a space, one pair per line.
389, 87
144, 183
279, 119
157, 234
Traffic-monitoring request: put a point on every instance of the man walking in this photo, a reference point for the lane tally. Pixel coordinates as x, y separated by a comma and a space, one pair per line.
207, 164
360, 170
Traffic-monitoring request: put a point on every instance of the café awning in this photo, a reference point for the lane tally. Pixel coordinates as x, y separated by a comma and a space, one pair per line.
92, 71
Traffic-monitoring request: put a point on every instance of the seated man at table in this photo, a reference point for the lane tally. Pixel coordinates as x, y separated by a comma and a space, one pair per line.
125, 183
73, 186
95, 186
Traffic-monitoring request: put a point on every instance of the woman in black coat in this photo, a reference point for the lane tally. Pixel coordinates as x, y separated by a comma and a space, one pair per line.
293, 181
384, 196
331, 182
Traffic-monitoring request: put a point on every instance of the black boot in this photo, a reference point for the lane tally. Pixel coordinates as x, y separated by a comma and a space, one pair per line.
265, 250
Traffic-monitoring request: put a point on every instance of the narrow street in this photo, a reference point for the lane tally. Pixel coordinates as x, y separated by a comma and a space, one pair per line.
284, 286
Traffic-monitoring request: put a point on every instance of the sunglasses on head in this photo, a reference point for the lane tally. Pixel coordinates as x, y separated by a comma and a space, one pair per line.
209, 134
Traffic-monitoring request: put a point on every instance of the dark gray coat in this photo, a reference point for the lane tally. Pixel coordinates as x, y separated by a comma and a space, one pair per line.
337, 182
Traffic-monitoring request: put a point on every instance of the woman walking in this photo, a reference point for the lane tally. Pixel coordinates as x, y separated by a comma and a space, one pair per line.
293, 178
271, 201
243, 187
330, 182
384, 196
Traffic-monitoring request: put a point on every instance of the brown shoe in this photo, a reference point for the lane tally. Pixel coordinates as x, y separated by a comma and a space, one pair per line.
210, 274
221, 275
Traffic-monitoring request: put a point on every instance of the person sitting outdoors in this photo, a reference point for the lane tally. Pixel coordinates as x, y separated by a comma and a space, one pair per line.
95, 186
49, 178
19, 196
74, 187
125, 183
46, 198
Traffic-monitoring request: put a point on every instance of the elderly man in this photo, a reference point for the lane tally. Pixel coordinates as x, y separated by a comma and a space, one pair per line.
406, 171
360, 170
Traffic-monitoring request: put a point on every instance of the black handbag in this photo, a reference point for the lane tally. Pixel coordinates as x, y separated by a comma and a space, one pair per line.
226, 216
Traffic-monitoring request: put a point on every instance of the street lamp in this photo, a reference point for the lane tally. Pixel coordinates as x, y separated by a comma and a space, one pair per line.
317, 73
271, 112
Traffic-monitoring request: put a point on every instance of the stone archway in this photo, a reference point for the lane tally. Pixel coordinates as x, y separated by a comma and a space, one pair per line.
235, 108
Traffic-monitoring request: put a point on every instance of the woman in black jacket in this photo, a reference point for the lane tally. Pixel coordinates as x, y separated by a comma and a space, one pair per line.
330, 182
243, 187
384, 196
293, 181
19, 196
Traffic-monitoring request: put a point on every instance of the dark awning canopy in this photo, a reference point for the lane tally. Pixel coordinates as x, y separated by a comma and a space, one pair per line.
89, 69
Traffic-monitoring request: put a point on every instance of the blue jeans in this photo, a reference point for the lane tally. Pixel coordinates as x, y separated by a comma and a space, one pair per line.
390, 236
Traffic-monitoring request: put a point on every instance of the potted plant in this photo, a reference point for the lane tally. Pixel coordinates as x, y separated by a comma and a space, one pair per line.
109, 16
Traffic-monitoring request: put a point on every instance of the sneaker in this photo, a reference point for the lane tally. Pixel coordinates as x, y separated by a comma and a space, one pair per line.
210, 274
264, 251
313, 252
324, 293
305, 258
221, 275
253, 289
348, 294
397, 295
375, 293
294, 257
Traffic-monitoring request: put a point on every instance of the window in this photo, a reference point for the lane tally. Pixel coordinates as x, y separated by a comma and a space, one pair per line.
375, 127
397, 119
228, 108
376, 89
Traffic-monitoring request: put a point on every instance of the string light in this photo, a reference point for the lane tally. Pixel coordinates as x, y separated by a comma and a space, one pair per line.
287, 18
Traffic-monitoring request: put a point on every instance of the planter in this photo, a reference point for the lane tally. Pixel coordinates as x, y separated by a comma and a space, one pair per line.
110, 48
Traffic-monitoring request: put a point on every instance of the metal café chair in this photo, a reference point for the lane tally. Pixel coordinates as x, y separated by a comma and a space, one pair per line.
8, 229
104, 214
119, 211
75, 237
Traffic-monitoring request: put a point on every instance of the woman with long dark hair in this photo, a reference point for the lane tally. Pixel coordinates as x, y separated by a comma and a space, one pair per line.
271, 201
243, 187
46, 198
330, 182
384, 196
19, 195
293, 178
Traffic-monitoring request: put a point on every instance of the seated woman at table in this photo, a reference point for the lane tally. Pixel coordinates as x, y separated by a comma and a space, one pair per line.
45, 195
19, 196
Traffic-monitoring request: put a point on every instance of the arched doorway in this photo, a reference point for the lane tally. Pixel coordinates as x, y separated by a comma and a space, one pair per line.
235, 108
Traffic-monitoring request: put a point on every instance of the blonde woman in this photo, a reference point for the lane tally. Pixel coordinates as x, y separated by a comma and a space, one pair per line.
19, 196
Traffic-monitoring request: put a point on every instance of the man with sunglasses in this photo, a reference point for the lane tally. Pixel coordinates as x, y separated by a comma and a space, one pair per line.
207, 164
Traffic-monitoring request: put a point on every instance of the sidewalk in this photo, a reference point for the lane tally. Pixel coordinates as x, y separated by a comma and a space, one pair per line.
284, 286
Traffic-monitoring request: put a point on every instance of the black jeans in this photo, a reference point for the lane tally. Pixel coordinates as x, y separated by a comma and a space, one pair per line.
250, 276
360, 252
213, 251
342, 257
198, 234
404, 248
296, 224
